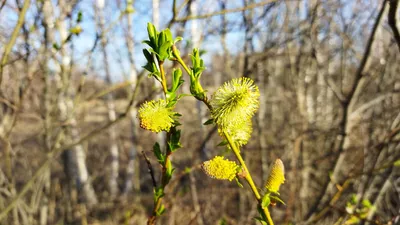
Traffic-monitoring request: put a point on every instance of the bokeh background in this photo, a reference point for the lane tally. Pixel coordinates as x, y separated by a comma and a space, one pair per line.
71, 80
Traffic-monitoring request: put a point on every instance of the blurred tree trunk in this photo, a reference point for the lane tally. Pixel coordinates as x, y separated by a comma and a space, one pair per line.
354, 86
247, 19
196, 36
75, 164
114, 151
48, 23
130, 180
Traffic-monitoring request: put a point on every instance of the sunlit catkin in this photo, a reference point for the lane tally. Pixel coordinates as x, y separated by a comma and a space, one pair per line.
240, 132
276, 177
220, 168
234, 102
156, 116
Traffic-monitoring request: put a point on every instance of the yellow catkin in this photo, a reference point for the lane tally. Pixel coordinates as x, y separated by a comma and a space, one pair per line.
220, 168
276, 176
239, 132
156, 116
234, 102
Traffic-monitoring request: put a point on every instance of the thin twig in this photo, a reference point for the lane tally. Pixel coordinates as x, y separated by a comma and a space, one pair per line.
250, 6
14, 35
150, 169
2, 4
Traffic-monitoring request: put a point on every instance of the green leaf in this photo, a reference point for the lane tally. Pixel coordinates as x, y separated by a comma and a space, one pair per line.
277, 199
152, 32
151, 65
353, 200
174, 143
80, 17
208, 122
168, 172
238, 182
171, 97
160, 210
178, 39
158, 193
176, 79
197, 63
176, 136
163, 44
149, 43
222, 222
157, 152
147, 54
202, 52
168, 35
165, 50
223, 143
266, 200
188, 170
397, 163
366, 203
56, 46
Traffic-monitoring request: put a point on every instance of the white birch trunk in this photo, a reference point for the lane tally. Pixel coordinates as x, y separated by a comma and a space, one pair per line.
114, 151
130, 169
65, 106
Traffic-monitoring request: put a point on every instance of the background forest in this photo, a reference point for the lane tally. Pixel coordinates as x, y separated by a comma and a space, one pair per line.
71, 81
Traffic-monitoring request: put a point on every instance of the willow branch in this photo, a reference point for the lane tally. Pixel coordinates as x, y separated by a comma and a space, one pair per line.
14, 35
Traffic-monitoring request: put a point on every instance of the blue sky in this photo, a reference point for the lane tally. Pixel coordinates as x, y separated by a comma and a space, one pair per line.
118, 60
116, 47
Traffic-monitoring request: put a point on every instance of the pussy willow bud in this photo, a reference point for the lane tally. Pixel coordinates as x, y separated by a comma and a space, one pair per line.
276, 177
234, 102
220, 168
156, 116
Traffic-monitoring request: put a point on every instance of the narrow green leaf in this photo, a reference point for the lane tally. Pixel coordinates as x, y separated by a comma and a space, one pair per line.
157, 152
277, 199
158, 193
238, 182
168, 35
208, 122
80, 17
223, 143
178, 39
176, 79
160, 210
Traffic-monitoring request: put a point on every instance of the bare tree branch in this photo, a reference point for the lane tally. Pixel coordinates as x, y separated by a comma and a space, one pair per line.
250, 6
14, 35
